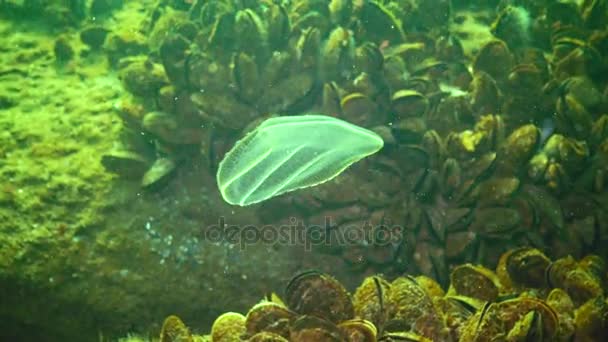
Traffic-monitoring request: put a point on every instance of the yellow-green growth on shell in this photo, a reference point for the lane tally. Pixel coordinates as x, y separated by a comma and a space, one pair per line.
287, 153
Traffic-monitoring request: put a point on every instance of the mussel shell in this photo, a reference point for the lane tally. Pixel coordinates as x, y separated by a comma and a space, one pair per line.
245, 75
475, 281
266, 336
494, 58
380, 23
279, 26
403, 337
407, 302
368, 58
316, 294
271, 317
125, 163
565, 273
496, 222
360, 110
311, 328
359, 330
309, 47
370, 300
409, 103
511, 310
250, 34
230, 326
527, 267
160, 171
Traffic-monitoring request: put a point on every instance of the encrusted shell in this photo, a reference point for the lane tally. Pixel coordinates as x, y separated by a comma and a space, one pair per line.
559, 300
265, 336
269, 316
310, 328
230, 326
316, 294
371, 299
565, 273
359, 330
474, 281
412, 309
591, 319
527, 267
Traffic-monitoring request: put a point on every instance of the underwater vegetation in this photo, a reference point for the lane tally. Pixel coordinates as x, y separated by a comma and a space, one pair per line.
527, 298
287, 153
59, 13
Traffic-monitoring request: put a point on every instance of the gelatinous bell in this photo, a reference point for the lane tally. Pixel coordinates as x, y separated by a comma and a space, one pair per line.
287, 153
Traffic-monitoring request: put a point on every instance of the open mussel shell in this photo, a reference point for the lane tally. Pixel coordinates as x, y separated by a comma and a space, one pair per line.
271, 317
528, 327
409, 103
316, 294
527, 267
359, 109
474, 281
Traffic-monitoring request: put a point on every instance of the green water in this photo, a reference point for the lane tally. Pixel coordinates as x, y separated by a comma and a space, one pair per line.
115, 117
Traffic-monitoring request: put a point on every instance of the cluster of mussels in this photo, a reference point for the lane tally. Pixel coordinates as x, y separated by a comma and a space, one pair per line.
503, 147
528, 298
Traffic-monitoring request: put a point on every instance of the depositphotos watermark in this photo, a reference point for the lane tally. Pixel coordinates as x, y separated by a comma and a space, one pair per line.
297, 233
